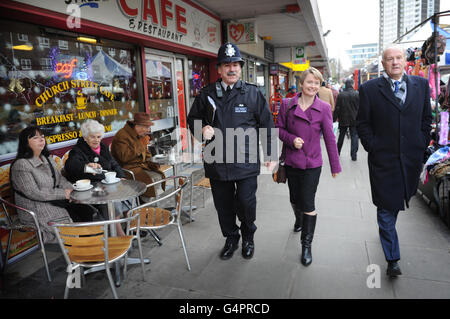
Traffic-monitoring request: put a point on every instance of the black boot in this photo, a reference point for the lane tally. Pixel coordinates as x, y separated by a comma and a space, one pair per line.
298, 218
309, 224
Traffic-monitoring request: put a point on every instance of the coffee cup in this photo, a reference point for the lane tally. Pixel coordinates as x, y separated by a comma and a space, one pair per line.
82, 183
110, 177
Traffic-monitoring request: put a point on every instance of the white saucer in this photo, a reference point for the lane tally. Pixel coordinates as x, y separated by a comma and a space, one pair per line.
113, 182
83, 189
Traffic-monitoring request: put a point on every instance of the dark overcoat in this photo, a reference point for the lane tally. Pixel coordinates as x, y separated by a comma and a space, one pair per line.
244, 108
395, 137
82, 154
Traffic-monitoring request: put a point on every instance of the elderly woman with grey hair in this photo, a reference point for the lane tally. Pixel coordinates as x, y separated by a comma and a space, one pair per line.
88, 156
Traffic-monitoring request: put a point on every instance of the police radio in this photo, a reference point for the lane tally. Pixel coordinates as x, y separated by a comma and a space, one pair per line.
219, 92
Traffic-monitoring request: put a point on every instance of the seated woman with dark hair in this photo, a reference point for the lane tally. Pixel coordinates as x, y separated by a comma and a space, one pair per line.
39, 186
88, 158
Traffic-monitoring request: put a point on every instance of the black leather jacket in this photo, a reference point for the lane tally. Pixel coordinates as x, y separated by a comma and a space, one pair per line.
347, 105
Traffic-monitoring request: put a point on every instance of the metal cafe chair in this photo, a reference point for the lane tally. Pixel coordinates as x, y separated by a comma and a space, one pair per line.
13, 223
152, 232
88, 245
199, 181
156, 217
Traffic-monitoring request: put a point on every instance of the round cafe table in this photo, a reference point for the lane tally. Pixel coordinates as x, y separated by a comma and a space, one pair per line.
109, 194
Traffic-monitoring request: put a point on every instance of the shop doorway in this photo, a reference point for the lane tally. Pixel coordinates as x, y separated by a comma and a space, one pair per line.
166, 87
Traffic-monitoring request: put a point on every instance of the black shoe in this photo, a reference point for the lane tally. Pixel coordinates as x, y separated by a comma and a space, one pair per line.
393, 270
248, 248
228, 250
309, 225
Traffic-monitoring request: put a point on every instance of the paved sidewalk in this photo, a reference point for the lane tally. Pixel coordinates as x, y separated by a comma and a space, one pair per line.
346, 242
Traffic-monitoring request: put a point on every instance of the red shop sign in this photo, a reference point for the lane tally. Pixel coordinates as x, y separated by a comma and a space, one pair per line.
66, 68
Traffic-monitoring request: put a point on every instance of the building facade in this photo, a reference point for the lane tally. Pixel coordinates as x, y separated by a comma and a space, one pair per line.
399, 16
360, 53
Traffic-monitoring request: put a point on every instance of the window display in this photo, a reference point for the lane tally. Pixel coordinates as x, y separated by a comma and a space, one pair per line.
198, 76
50, 78
160, 91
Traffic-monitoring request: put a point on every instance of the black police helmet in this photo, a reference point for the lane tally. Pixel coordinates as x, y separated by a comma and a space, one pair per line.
228, 53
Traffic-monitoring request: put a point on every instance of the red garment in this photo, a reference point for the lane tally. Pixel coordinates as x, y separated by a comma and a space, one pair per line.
290, 94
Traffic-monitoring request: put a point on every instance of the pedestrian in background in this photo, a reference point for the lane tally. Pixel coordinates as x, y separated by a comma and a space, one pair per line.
394, 123
346, 110
326, 95
292, 92
334, 91
299, 128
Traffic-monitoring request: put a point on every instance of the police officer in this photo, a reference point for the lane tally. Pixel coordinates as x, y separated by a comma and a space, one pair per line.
221, 114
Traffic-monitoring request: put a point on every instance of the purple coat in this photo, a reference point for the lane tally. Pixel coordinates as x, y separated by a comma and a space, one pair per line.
310, 155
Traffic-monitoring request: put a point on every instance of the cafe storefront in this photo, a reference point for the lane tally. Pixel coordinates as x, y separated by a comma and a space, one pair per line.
65, 61
56, 74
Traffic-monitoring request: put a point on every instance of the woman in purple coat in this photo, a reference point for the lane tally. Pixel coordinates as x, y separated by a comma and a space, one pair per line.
300, 127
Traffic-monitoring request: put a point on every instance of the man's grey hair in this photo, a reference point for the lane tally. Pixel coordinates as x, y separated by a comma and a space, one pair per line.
91, 127
394, 46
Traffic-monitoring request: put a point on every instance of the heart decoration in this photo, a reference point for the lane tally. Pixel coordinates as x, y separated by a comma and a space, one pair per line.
236, 31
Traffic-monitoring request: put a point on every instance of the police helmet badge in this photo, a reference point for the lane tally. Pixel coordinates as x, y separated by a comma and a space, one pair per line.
230, 51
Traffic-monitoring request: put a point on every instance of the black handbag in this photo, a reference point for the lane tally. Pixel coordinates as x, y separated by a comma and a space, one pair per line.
280, 175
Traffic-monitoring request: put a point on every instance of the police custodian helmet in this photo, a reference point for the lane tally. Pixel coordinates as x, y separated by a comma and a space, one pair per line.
228, 53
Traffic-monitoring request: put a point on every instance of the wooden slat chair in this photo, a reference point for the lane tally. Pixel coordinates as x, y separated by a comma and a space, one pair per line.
156, 217
199, 181
13, 224
136, 202
89, 245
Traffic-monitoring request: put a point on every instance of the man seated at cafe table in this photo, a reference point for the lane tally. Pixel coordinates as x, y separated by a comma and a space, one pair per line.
130, 148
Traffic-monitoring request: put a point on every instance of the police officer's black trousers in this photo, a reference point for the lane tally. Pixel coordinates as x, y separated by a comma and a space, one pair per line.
236, 198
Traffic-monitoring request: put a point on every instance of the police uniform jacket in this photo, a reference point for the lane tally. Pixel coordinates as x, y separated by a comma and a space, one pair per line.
246, 110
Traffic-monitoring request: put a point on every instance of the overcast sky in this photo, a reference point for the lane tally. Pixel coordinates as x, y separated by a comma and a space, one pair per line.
350, 22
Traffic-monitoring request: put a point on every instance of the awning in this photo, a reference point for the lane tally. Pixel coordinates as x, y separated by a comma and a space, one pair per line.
297, 67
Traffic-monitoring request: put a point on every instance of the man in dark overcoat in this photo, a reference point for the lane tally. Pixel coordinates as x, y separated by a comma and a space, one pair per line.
224, 108
346, 110
394, 123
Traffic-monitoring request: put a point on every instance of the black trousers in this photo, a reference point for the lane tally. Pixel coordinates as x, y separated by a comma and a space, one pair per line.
302, 185
236, 198
353, 138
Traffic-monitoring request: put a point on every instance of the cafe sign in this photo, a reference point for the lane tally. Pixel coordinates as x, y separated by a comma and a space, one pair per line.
174, 21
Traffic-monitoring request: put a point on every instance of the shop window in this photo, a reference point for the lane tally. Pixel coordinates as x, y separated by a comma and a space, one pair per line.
160, 91
58, 89
198, 76
44, 42
22, 37
63, 45
46, 63
26, 64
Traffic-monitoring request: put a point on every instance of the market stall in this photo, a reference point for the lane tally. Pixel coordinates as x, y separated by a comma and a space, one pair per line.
432, 55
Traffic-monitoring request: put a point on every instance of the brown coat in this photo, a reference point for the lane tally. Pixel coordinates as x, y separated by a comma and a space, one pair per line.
326, 95
131, 152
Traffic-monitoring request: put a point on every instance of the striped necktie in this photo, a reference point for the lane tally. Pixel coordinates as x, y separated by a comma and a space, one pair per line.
399, 92
396, 84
